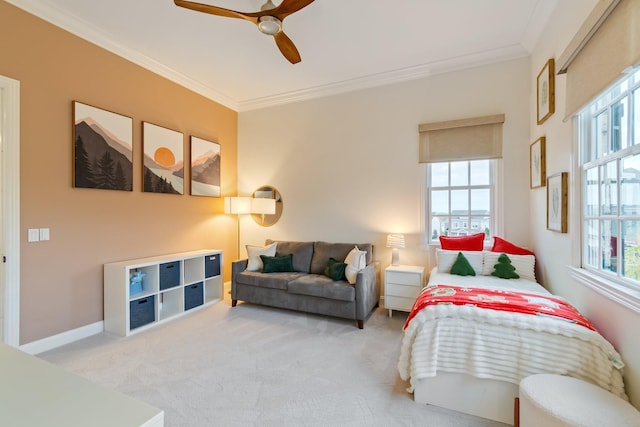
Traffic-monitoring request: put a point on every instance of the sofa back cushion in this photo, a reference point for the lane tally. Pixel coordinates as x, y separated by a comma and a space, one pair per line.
322, 251
302, 253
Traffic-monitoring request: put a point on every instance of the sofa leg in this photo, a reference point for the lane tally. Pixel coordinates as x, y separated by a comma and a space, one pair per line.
234, 302
360, 324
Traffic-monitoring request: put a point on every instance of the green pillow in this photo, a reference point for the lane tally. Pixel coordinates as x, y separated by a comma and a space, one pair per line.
277, 264
503, 269
461, 266
335, 270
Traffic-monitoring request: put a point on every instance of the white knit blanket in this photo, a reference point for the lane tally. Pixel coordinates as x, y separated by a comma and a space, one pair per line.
504, 346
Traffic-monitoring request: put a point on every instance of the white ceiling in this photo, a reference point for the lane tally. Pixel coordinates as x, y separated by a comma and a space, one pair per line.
344, 44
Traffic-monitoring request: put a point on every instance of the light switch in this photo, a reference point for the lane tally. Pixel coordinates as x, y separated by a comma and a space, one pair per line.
44, 234
33, 235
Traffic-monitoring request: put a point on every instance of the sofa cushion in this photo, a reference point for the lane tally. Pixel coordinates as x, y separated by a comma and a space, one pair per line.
302, 253
322, 251
275, 264
319, 285
271, 280
254, 252
335, 270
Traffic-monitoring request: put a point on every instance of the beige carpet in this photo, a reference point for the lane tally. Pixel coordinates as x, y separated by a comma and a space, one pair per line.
257, 366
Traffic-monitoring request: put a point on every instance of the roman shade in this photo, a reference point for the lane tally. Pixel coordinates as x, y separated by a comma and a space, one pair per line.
466, 139
606, 45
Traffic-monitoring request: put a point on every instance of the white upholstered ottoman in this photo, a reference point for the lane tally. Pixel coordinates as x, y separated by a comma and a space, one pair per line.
559, 401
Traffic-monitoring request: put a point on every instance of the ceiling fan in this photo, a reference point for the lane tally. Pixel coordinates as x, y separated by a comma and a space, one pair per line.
269, 20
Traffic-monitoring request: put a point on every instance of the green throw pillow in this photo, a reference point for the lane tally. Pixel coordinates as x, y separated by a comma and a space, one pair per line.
335, 270
461, 266
277, 264
503, 269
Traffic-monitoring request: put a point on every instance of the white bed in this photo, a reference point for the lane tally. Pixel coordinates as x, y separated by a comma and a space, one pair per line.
471, 359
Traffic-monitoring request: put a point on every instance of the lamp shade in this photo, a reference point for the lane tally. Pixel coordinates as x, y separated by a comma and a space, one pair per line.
395, 241
263, 206
237, 205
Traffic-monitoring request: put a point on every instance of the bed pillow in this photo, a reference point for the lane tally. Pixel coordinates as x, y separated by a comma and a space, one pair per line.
524, 264
501, 245
277, 264
254, 252
356, 260
445, 260
503, 268
335, 270
461, 266
474, 242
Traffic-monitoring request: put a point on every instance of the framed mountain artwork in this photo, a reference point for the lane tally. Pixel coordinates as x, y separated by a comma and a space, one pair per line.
205, 167
102, 149
163, 164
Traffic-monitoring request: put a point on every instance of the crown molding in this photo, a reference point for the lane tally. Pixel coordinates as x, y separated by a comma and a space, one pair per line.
82, 29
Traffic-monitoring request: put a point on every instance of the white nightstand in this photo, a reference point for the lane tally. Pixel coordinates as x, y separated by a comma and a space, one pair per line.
402, 284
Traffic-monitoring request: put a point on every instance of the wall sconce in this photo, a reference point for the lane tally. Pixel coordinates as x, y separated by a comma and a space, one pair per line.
395, 242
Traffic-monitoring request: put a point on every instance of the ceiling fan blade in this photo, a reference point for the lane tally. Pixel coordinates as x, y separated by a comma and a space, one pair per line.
287, 7
213, 10
287, 47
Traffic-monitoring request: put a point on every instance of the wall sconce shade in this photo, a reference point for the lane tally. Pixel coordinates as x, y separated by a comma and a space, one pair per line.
237, 205
395, 242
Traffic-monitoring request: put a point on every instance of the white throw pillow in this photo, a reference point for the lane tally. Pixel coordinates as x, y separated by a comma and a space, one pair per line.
446, 259
254, 252
356, 260
524, 264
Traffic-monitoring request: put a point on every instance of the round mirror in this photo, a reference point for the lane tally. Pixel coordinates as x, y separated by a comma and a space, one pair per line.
269, 218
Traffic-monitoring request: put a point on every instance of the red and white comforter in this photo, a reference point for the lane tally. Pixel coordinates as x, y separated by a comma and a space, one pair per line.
460, 335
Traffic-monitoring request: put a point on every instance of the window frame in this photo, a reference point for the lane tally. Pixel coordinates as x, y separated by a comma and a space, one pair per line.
495, 196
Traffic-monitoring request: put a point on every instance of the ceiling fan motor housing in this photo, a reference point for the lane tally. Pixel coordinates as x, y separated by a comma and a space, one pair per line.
269, 25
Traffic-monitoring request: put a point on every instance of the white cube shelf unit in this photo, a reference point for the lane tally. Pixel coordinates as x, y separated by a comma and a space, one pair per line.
171, 285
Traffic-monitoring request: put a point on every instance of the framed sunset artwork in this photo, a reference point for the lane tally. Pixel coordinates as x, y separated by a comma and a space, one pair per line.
205, 168
163, 164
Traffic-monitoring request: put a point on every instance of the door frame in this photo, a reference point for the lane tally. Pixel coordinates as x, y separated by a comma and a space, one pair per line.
10, 205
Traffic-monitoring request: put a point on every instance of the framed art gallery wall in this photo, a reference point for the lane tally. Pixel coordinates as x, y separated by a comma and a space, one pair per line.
93, 226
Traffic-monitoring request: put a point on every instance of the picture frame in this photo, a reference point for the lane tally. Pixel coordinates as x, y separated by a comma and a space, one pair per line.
163, 160
537, 163
545, 86
102, 144
557, 195
205, 167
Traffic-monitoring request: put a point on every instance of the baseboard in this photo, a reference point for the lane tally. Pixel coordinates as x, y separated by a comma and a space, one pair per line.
49, 343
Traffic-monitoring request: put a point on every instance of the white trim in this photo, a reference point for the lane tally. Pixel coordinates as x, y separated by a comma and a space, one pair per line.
10, 145
618, 293
49, 343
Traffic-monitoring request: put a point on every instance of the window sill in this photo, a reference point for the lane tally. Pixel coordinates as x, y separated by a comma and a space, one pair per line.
616, 292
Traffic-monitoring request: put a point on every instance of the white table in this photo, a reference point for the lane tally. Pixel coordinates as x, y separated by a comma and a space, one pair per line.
402, 284
36, 393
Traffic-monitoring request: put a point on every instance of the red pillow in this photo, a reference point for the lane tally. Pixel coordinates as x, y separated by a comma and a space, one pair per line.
473, 242
501, 245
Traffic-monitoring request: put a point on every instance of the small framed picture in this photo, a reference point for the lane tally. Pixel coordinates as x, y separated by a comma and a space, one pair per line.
537, 163
557, 189
546, 91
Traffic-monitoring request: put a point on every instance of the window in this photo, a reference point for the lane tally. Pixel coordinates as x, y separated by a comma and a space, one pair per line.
610, 170
460, 198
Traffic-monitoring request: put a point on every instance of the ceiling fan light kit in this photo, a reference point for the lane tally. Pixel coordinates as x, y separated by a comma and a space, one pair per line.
268, 19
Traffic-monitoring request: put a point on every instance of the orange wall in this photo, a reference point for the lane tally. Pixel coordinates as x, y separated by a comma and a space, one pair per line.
61, 279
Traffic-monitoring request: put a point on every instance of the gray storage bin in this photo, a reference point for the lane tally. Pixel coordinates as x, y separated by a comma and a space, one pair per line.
212, 265
142, 311
169, 275
193, 296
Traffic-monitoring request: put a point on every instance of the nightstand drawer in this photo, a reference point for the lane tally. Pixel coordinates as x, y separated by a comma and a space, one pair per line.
394, 289
404, 278
398, 303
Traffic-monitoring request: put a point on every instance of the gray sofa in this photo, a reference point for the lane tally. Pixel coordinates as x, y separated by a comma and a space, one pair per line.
307, 288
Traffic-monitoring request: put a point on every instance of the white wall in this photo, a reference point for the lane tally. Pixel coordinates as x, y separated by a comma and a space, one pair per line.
555, 251
347, 167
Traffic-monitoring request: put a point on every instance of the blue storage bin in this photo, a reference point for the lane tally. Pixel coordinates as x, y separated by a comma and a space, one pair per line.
193, 295
212, 265
142, 311
169, 275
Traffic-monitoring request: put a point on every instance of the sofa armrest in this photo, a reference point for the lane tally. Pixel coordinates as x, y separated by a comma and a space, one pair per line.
237, 267
367, 290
